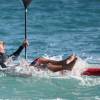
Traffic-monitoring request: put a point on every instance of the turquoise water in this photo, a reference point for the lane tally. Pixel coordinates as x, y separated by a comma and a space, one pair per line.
56, 28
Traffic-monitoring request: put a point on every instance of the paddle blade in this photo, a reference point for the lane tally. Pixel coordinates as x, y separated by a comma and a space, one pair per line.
26, 3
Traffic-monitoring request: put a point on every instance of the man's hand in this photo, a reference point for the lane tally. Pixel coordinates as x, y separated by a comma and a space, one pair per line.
25, 43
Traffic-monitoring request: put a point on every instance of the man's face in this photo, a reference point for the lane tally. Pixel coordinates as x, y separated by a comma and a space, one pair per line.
2, 48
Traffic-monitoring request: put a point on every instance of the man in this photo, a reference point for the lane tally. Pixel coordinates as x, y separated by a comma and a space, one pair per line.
54, 66
4, 56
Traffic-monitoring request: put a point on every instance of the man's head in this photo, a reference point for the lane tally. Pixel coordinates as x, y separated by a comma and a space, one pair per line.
2, 47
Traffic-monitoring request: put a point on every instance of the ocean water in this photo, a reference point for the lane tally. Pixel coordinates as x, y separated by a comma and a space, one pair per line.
56, 29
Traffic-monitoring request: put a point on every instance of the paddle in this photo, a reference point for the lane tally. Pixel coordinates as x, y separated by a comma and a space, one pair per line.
26, 4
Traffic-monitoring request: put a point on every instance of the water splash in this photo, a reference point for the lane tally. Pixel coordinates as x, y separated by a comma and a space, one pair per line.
90, 81
22, 68
59, 57
79, 66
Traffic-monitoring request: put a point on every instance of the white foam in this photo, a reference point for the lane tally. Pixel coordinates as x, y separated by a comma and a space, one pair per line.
24, 70
79, 66
57, 58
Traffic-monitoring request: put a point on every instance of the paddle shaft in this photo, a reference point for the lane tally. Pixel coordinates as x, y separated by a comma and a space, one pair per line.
26, 4
25, 31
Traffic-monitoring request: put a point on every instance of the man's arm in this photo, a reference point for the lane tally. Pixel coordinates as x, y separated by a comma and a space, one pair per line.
19, 50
